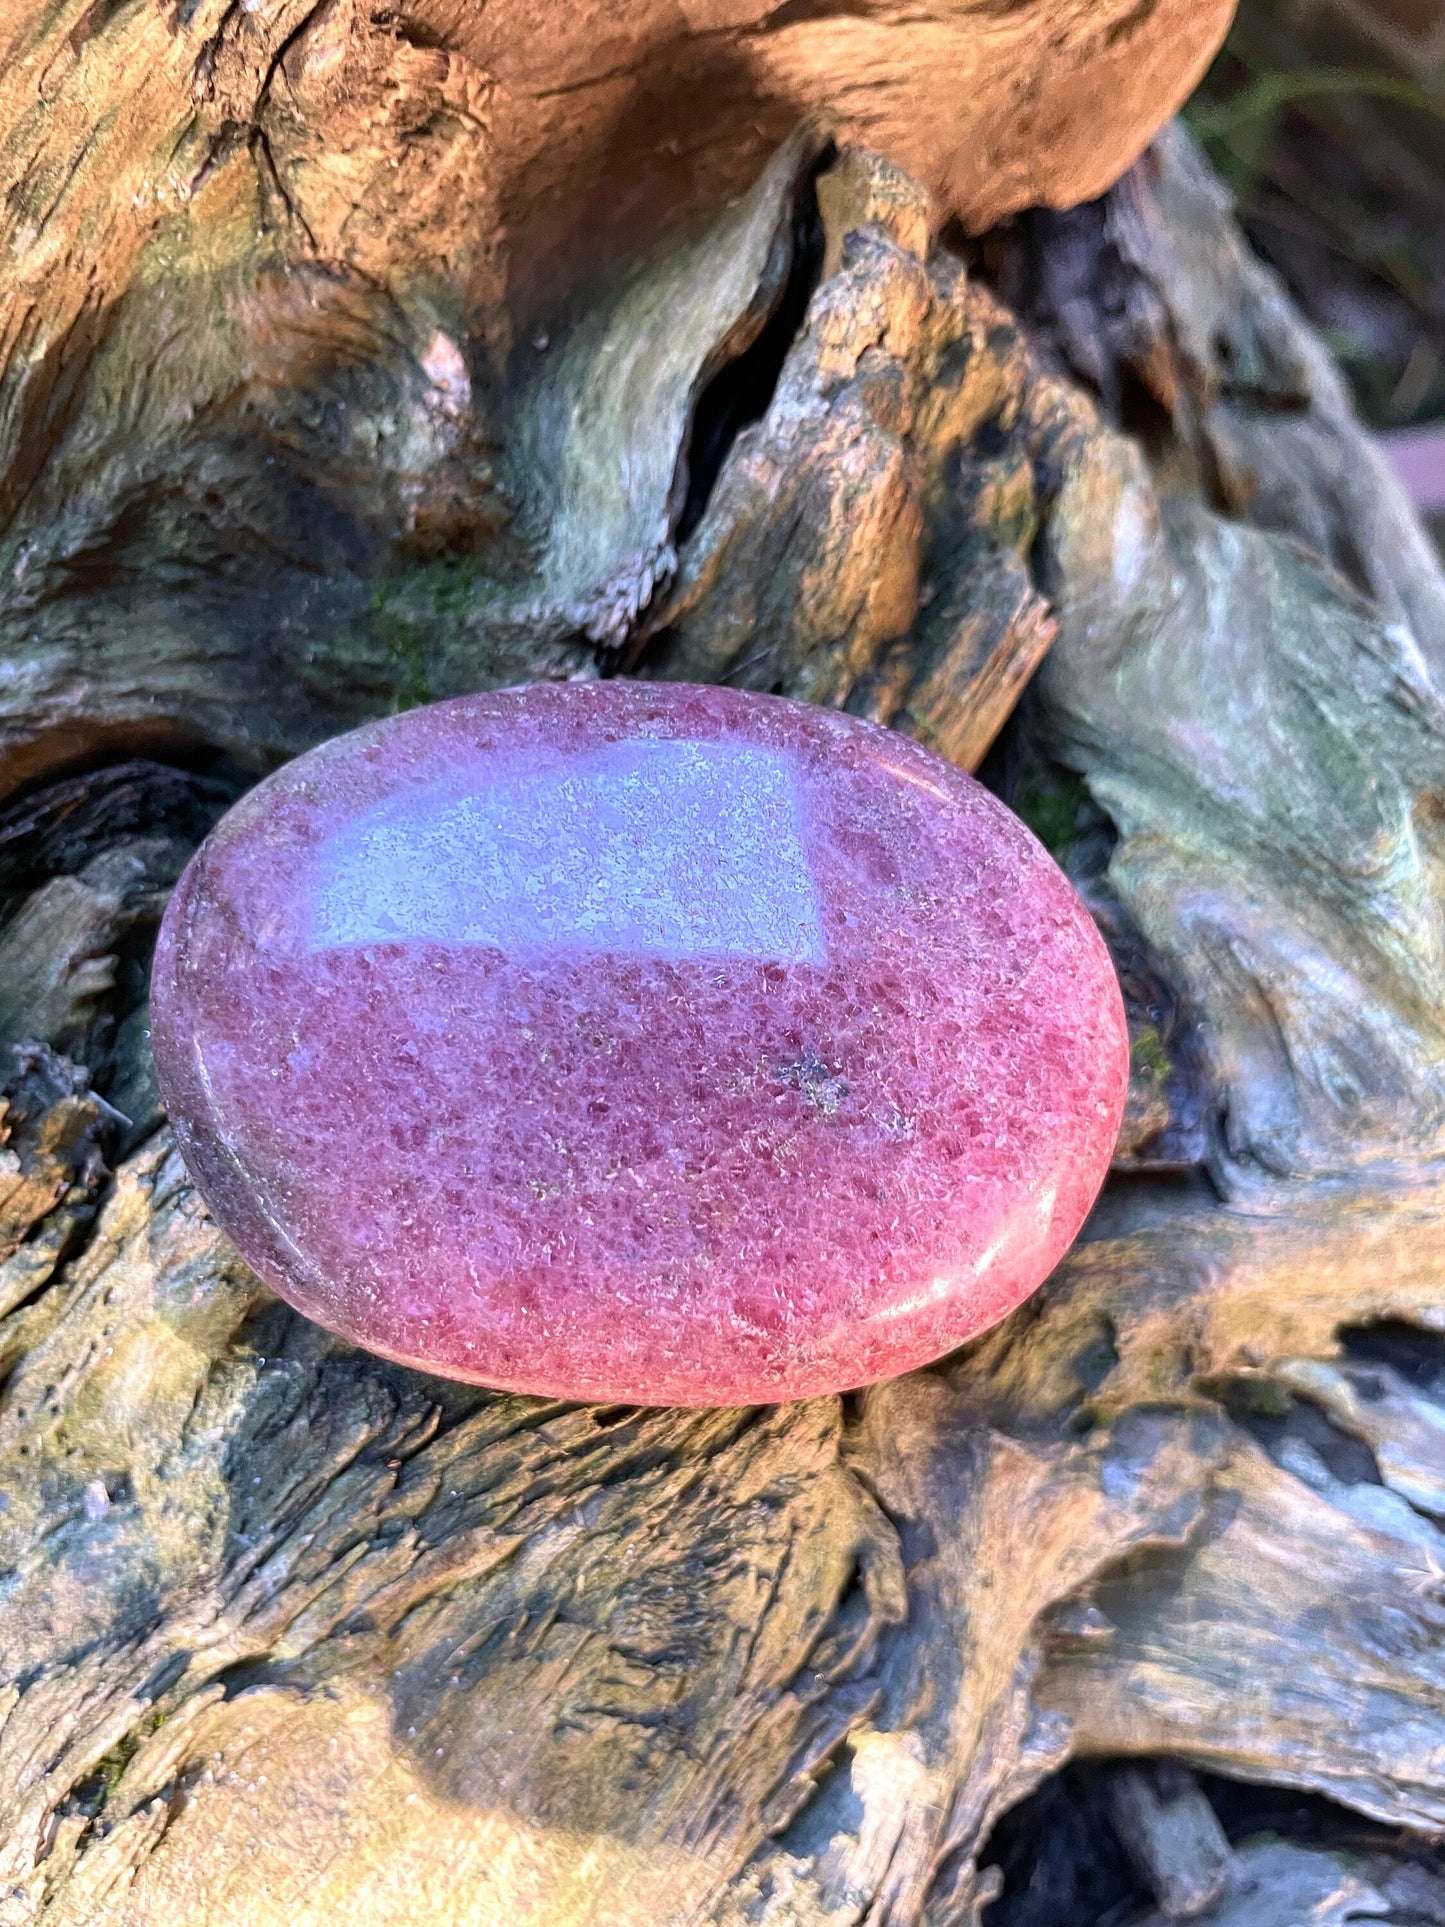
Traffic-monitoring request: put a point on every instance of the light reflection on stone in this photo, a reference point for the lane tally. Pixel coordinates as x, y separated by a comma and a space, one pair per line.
667, 849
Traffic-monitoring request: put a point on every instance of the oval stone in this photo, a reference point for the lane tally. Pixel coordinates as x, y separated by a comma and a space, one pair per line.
638, 1042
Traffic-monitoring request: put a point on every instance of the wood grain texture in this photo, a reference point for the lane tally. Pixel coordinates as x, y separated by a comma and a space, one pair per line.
288, 287
287, 1633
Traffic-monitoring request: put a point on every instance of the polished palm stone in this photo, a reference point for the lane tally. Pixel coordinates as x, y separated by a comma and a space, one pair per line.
639, 1042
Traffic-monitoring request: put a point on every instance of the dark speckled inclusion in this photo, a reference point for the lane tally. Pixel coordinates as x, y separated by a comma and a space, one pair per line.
638, 1042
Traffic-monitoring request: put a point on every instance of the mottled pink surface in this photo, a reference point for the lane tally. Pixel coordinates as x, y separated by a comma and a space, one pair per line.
638, 1042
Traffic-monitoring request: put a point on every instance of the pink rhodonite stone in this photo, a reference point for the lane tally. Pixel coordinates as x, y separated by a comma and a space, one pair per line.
641, 1042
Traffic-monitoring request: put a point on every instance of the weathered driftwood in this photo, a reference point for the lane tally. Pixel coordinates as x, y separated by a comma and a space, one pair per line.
324, 330
1275, 1883
289, 1634
1173, 1835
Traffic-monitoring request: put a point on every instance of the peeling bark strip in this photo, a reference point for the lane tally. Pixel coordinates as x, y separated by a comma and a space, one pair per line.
294, 429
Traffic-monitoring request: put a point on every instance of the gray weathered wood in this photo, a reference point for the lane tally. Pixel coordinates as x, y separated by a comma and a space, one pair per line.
290, 1634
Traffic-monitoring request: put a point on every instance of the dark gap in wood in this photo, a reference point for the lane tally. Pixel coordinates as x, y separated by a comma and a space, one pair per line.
739, 393
1063, 1864
1061, 1861
1274, 1417
1244, 1808
55, 828
1416, 1354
